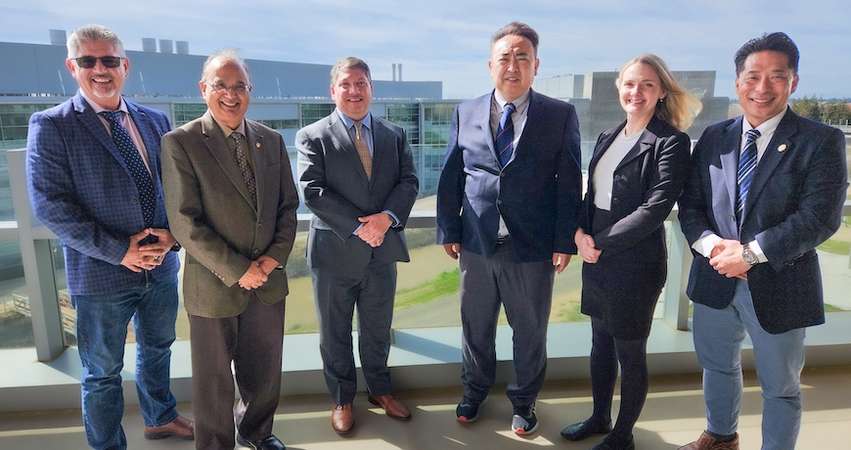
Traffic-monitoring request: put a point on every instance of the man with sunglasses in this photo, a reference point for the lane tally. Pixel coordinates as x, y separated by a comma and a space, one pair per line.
94, 180
231, 201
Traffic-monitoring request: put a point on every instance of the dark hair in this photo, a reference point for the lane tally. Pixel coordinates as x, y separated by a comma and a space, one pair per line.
517, 29
777, 42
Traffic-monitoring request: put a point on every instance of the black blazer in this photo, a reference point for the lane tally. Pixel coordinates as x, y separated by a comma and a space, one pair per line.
537, 192
623, 286
794, 204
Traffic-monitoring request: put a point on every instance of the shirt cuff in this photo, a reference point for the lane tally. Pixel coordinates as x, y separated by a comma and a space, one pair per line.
757, 250
392, 216
705, 244
355, 233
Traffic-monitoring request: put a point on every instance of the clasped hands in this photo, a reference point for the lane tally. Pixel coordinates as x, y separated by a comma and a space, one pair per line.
726, 258
373, 228
141, 257
588, 250
258, 272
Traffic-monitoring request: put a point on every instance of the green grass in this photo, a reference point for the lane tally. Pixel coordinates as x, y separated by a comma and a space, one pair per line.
828, 308
444, 284
835, 246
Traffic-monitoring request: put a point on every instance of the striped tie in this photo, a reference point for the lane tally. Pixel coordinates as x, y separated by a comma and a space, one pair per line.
747, 167
505, 135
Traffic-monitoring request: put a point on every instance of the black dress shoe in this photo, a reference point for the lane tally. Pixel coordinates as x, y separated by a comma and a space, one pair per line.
581, 430
269, 443
611, 442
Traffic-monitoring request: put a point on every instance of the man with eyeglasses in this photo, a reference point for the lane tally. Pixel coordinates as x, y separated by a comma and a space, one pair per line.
231, 201
94, 180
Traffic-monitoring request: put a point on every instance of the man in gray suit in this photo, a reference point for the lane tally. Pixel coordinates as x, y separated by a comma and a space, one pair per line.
231, 201
357, 175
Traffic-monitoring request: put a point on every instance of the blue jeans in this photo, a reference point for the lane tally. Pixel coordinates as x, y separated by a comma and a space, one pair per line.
779, 358
101, 332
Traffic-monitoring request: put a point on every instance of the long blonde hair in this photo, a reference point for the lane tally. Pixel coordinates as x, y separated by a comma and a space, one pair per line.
679, 107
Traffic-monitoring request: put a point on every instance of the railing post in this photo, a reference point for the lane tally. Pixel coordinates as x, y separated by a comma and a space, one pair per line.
679, 262
38, 266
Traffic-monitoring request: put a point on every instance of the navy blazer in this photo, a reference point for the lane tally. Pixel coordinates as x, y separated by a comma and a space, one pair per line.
80, 188
794, 204
537, 192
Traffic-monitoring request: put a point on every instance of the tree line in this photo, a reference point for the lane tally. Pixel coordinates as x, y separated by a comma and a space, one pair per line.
827, 111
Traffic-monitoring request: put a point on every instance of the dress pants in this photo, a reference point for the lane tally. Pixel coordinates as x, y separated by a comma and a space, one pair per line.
525, 290
253, 341
101, 333
718, 335
336, 293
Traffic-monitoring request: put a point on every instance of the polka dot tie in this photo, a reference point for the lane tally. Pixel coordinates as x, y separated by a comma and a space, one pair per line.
241, 158
134, 162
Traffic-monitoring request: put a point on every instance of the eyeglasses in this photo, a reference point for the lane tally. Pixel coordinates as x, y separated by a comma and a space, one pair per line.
237, 89
88, 62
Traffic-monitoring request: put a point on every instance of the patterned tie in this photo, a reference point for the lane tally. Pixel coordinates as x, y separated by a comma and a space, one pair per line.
363, 149
134, 162
241, 158
747, 167
505, 135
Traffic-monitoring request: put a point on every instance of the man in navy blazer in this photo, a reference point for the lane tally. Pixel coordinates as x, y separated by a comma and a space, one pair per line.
507, 205
93, 174
764, 190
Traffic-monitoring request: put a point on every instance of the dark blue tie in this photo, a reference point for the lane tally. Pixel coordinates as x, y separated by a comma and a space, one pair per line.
747, 167
505, 135
134, 162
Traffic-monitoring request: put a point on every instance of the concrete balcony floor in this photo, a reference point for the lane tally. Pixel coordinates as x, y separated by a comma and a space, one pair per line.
673, 415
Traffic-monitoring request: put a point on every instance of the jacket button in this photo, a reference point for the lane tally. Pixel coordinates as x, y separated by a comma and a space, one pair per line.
501, 174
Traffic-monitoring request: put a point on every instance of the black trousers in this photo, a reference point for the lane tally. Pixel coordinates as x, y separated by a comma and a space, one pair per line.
253, 341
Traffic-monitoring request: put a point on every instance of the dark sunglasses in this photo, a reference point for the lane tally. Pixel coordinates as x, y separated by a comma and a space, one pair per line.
88, 62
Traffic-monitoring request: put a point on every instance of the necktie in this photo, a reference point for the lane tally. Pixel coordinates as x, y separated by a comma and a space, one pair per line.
241, 158
363, 149
505, 135
747, 167
134, 163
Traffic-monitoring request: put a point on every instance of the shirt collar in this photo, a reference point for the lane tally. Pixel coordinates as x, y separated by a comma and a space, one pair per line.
519, 102
98, 109
349, 122
228, 130
766, 128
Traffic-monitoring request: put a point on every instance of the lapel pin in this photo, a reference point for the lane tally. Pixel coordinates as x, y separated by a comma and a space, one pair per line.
257, 145
781, 148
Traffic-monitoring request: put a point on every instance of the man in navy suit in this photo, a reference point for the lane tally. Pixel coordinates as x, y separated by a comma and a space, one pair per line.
507, 206
765, 189
93, 174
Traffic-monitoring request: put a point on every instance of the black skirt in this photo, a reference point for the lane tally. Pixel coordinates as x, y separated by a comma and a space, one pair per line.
622, 289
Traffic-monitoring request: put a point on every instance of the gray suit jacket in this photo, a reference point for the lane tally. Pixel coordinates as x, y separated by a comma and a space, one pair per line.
212, 217
337, 191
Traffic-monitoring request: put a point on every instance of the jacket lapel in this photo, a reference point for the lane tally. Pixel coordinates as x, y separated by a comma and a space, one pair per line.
257, 151
214, 139
382, 143
150, 137
342, 141
787, 127
483, 115
645, 142
729, 147
90, 120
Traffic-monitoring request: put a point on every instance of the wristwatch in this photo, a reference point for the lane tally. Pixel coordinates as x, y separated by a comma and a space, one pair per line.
749, 256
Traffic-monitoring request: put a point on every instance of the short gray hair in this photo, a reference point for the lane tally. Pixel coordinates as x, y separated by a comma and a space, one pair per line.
348, 63
91, 33
228, 55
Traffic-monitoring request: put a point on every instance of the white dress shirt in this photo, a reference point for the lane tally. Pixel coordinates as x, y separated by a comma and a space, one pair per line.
604, 171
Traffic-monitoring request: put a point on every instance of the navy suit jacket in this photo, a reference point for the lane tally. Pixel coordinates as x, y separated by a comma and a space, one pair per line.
80, 188
794, 204
537, 192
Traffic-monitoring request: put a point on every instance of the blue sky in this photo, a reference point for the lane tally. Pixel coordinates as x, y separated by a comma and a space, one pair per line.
449, 40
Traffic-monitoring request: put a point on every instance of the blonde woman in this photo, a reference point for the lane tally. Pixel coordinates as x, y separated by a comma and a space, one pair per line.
636, 174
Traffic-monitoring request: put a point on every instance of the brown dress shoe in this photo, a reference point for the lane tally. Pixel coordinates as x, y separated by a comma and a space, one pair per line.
392, 407
707, 442
180, 427
342, 418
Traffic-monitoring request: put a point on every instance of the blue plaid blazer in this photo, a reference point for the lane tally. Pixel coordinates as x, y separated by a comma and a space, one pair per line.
80, 188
